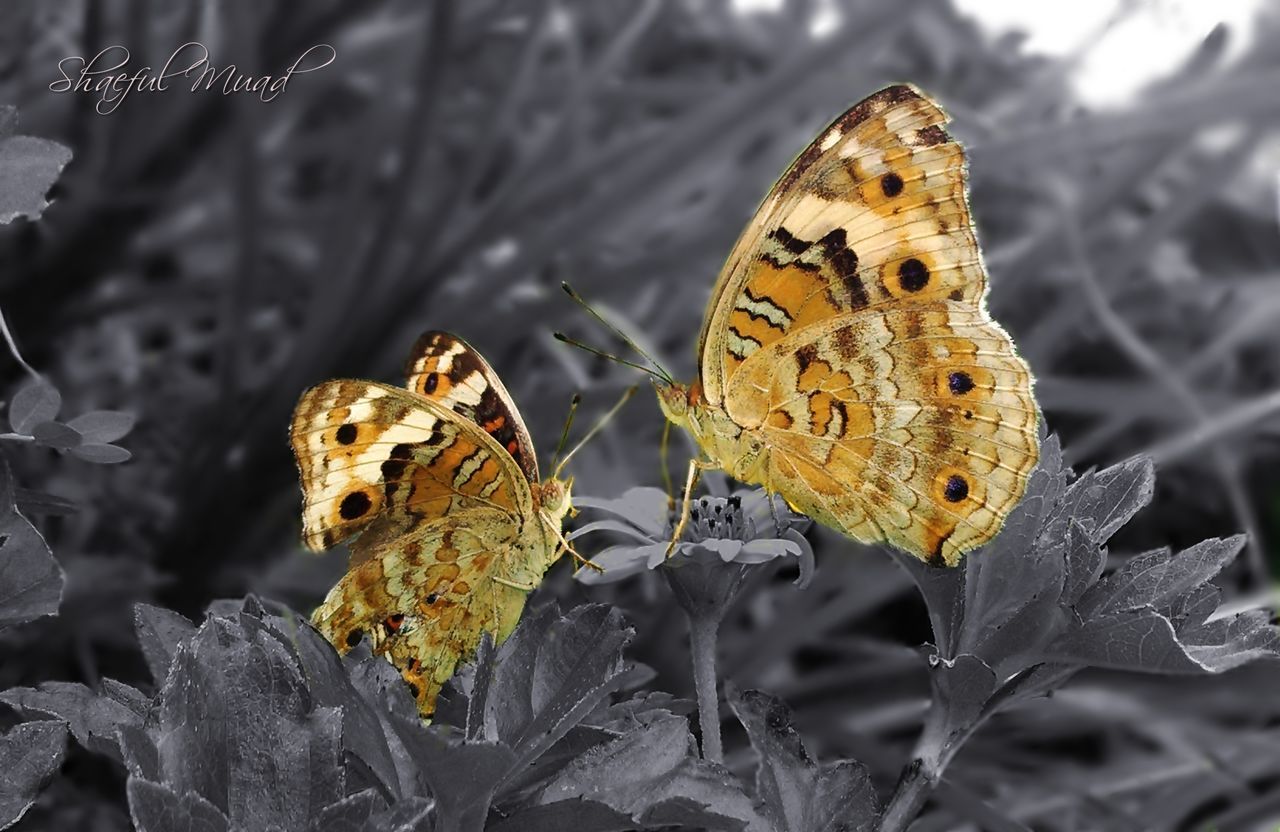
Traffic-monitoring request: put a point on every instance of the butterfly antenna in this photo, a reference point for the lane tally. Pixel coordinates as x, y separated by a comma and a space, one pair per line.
596, 428
568, 423
573, 342
661, 373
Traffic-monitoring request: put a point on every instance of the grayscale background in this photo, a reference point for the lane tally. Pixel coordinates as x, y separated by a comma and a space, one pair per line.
207, 257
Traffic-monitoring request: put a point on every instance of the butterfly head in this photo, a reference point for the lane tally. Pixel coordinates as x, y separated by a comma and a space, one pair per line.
681, 404
554, 501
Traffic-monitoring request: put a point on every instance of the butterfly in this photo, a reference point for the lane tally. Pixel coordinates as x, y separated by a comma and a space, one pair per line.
436, 485
847, 360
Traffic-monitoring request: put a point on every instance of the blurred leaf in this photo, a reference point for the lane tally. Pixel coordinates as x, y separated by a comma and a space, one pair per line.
34, 403
103, 425
30, 754
38, 502
101, 453
160, 631
157, 808
28, 167
31, 580
56, 435
797, 794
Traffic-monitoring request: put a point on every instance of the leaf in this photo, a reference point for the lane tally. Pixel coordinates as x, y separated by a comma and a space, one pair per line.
102, 454
94, 718
30, 754
56, 435
157, 808
579, 815
1145, 640
796, 793
28, 167
1157, 579
38, 502
648, 768
1103, 501
31, 581
37, 402
462, 775
160, 631
553, 671
103, 425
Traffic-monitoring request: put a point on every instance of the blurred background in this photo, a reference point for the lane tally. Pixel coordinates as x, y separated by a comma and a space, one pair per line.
206, 257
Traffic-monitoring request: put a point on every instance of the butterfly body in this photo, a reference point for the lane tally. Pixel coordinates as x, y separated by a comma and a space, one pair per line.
436, 487
848, 361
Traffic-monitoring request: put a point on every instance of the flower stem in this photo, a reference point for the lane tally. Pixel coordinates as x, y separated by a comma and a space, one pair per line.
702, 642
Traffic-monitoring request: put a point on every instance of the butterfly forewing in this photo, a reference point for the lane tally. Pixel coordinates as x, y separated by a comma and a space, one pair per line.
370, 452
443, 367
873, 213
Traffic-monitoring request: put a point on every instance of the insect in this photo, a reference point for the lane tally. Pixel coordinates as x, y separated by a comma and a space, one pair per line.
847, 359
437, 487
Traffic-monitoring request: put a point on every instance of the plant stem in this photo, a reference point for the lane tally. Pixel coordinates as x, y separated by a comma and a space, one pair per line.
912, 791
702, 643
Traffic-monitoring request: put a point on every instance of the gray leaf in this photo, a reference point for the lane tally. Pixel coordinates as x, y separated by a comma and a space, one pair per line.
92, 717
103, 425
157, 808
160, 631
1157, 579
30, 754
1103, 501
34, 403
102, 453
56, 435
28, 167
31, 580
797, 795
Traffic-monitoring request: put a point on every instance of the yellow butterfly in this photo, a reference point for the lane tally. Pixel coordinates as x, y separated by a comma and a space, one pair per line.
438, 484
847, 359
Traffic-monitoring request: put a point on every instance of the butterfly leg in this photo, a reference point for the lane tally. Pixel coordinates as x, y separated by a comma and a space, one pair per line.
565, 546
686, 505
513, 584
662, 460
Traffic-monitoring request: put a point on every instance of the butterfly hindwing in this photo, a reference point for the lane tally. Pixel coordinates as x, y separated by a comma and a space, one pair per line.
902, 424
874, 212
375, 457
424, 598
443, 367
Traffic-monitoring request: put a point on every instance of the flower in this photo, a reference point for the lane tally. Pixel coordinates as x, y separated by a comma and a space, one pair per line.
745, 527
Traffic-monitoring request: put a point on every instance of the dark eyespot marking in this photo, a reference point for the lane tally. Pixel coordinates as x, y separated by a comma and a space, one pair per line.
353, 638
413, 689
891, 184
356, 504
960, 382
393, 623
956, 489
956, 294
968, 414
913, 275
347, 434
432, 598
431, 382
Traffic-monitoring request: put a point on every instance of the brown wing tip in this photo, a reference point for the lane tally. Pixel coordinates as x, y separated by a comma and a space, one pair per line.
427, 341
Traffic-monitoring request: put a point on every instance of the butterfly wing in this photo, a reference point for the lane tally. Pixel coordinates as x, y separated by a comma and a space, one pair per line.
377, 460
425, 598
443, 367
908, 424
874, 212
